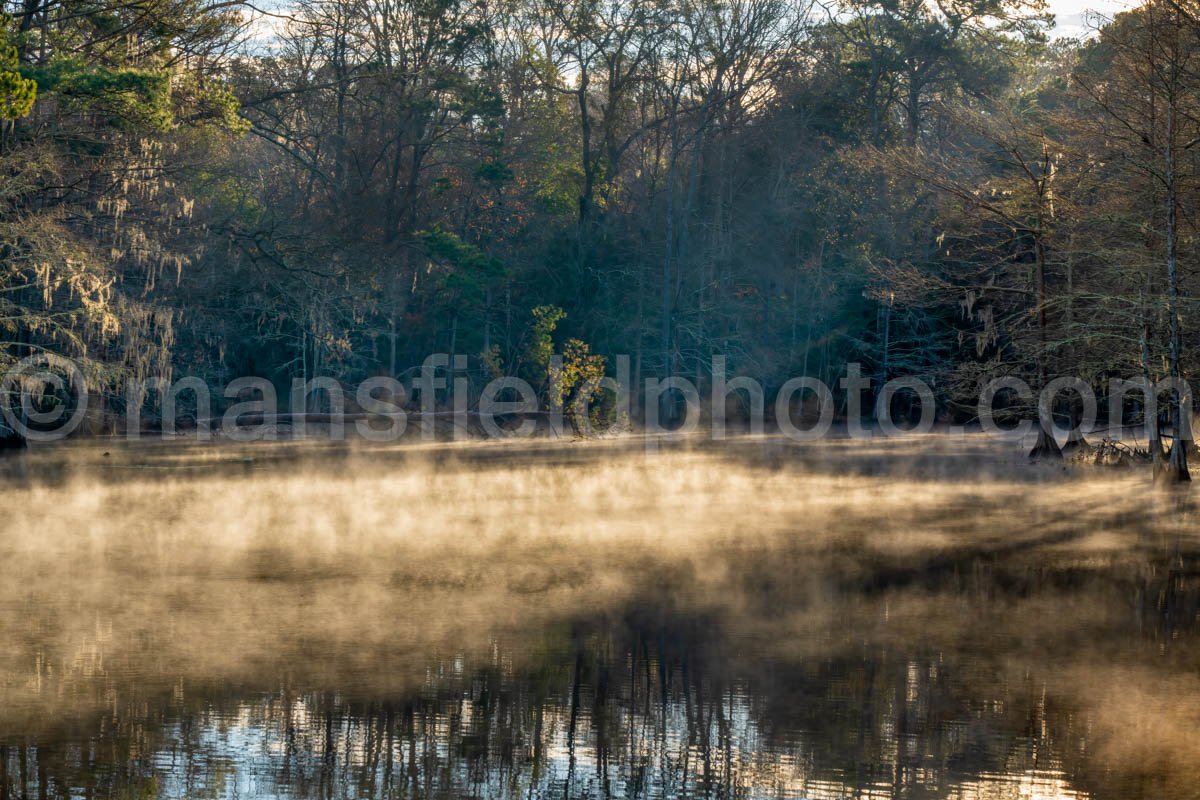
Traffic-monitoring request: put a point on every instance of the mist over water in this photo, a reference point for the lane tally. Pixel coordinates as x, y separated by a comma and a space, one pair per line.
917, 617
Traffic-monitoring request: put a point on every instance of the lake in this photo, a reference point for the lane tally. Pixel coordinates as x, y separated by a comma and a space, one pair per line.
920, 617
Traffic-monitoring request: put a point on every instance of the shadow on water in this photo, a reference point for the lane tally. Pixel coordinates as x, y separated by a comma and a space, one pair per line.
596, 622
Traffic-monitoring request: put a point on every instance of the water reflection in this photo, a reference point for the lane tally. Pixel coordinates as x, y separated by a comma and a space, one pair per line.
610, 625
629, 713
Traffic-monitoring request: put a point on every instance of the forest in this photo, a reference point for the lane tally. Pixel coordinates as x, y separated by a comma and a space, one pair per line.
341, 187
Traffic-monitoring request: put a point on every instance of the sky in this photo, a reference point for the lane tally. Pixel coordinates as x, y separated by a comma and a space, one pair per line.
1075, 18
1073, 15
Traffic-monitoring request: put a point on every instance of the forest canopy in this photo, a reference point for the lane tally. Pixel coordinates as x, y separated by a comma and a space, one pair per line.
341, 187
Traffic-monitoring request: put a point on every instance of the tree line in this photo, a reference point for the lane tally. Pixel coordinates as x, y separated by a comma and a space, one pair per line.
341, 187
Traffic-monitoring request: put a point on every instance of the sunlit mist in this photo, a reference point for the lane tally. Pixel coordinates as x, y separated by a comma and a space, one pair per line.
591, 620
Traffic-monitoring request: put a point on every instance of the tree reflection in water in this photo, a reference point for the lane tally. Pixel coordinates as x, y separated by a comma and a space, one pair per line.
963, 641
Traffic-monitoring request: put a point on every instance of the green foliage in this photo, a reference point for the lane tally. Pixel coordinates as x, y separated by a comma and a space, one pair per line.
483, 104
129, 98
578, 383
469, 268
214, 104
449, 247
571, 380
494, 172
17, 94
541, 343
228, 196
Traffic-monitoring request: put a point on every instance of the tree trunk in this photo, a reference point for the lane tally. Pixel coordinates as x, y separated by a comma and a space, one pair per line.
1075, 442
1154, 441
1177, 467
11, 439
885, 337
1046, 445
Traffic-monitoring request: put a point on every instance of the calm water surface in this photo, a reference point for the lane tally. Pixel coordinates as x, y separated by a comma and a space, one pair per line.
922, 618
